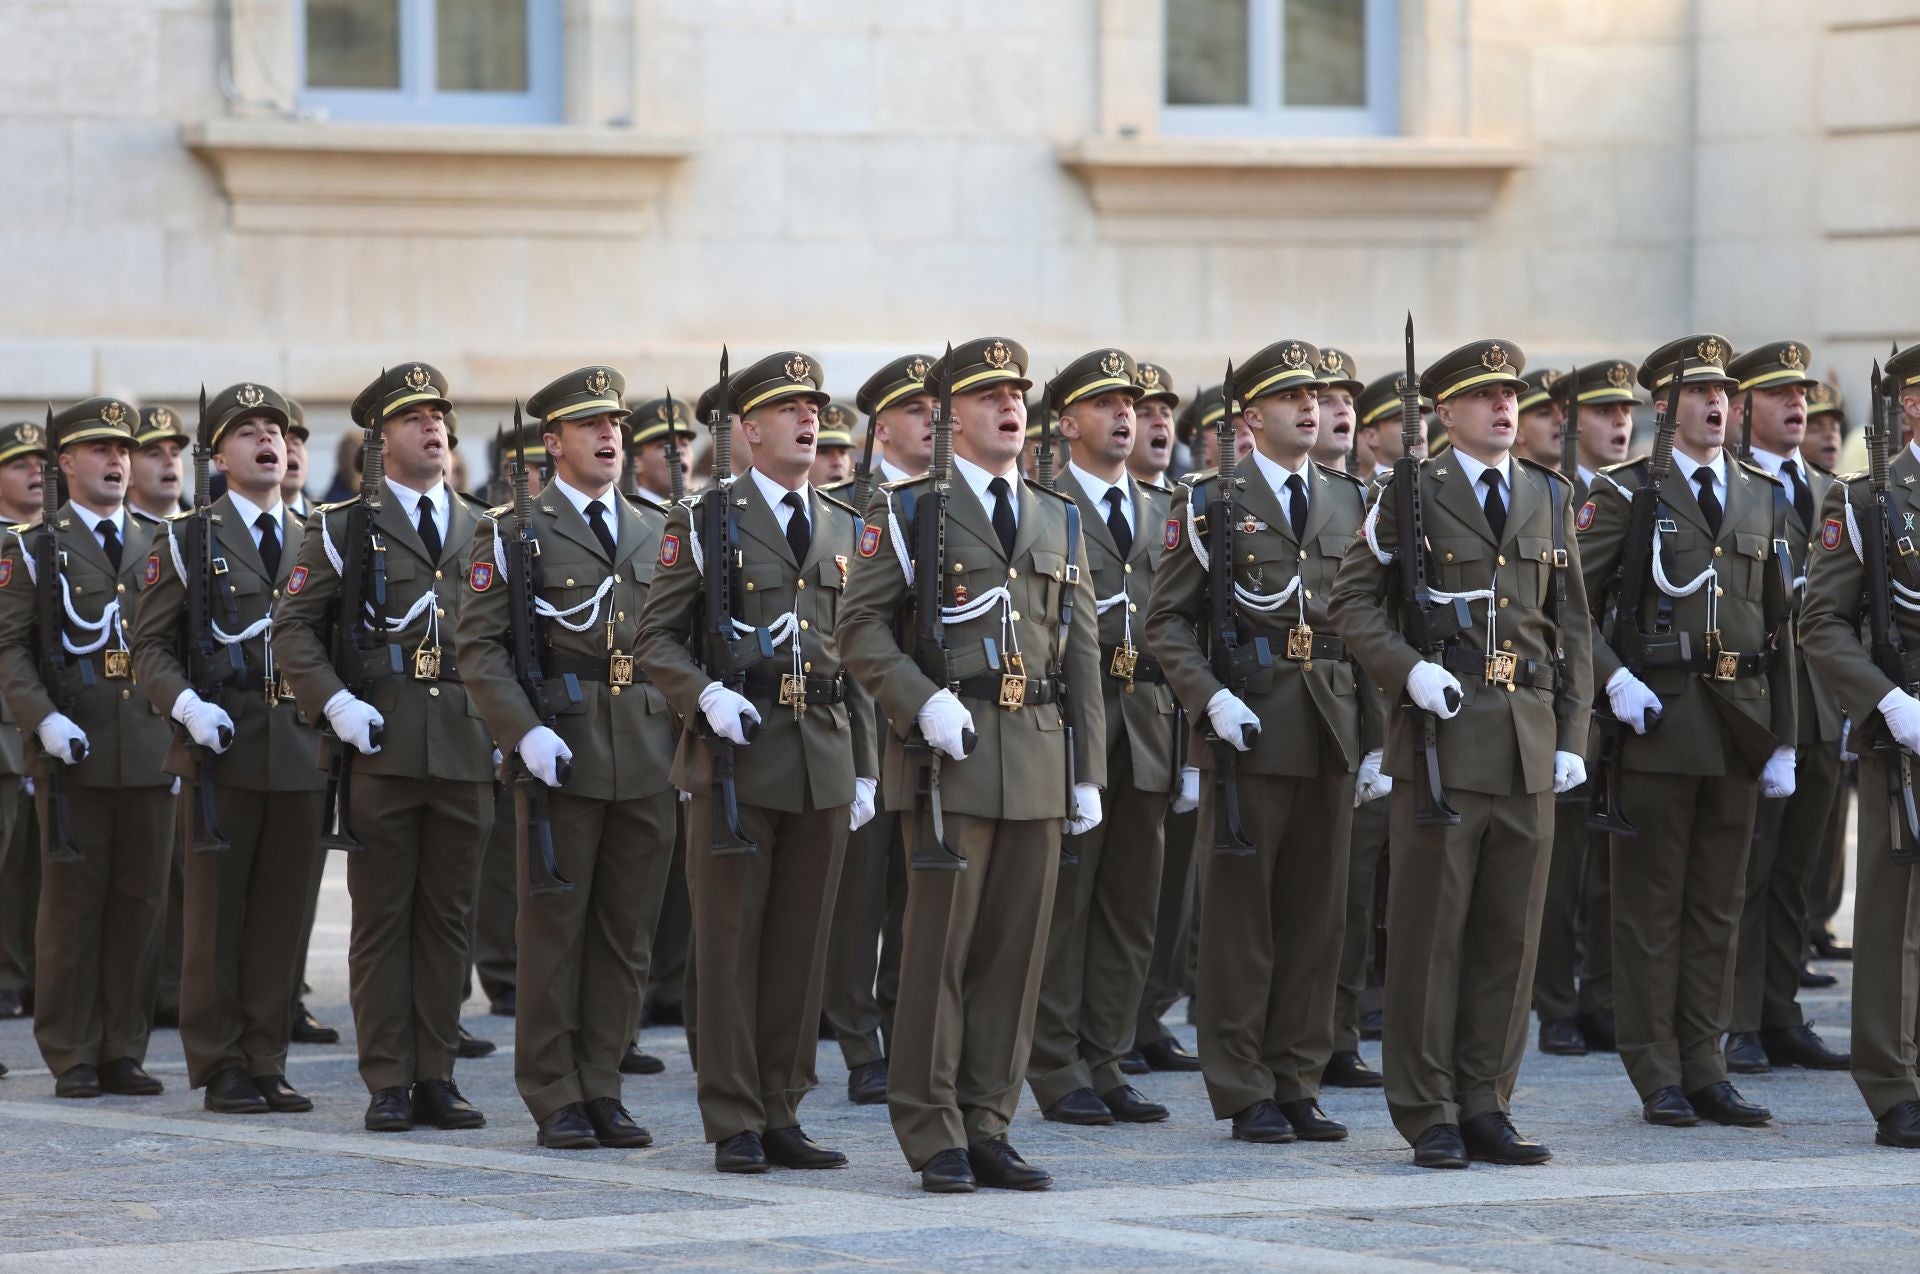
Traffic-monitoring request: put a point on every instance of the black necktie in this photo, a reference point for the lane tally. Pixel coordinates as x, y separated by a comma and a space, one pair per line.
110, 543
269, 544
1297, 507
1117, 523
799, 534
429, 533
1002, 515
1493, 506
1709, 502
1802, 497
598, 512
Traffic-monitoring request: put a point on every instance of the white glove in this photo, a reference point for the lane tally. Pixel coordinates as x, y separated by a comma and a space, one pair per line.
1229, 717
1187, 795
1372, 784
1901, 712
1630, 700
941, 720
1427, 686
1776, 777
1569, 771
1086, 809
543, 750
204, 721
862, 811
1846, 741
58, 735
724, 709
353, 720
497, 758
175, 789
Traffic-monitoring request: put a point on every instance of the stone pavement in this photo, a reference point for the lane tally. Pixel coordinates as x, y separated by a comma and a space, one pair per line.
158, 1184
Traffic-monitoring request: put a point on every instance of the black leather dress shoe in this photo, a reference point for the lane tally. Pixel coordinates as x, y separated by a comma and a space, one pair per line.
1262, 1122
1134, 1064
1722, 1103
282, 1098
634, 1062
10, 1005
1562, 1038
1491, 1137
1310, 1123
948, 1172
1370, 1024
1598, 1029
867, 1083
231, 1092
1814, 980
389, 1110
1900, 1127
613, 1126
1167, 1055
1744, 1054
998, 1166
439, 1103
77, 1081
1130, 1106
1440, 1147
472, 1046
568, 1128
1669, 1108
1347, 1069
128, 1078
308, 1029
504, 1003
792, 1148
1801, 1046
1081, 1106
1825, 948
741, 1152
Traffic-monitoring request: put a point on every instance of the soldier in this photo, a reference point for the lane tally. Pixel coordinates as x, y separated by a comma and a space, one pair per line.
974, 938
96, 765
293, 487
1463, 904
421, 787
1886, 730
1542, 413
653, 423
582, 953
760, 916
158, 469
1265, 985
1340, 386
1720, 683
1377, 429
1108, 891
1152, 452
1820, 449
1826, 427
23, 454
833, 449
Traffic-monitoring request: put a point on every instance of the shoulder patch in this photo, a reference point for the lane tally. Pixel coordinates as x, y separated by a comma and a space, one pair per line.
669, 550
1830, 532
153, 569
1173, 533
1584, 519
869, 540
297, 580
6, 572
481, 576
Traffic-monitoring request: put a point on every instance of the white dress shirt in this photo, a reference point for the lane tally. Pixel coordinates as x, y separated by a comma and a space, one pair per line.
1097, 488
1688, 466
1277, 474
436, 504
580, 500
775, 494
250, 514
977, 479
93, 520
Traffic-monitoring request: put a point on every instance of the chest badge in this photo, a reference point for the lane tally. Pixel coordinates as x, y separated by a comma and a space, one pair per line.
840, 560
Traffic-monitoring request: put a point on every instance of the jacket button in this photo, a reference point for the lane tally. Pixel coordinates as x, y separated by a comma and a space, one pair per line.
1128, 568
1303, 555
799, 583
613, 689
621, 615
1012, 573
121, 588
1132, 609
1449, 557
569, 582
1719, 592
440, 612
1501, 559
1718, 551
807, 666
616, 579
1506, 645
803, 625
126, 694
1016, 617
959, 567
434, 691
437, 574
749, 586
1249, 557
1503, 603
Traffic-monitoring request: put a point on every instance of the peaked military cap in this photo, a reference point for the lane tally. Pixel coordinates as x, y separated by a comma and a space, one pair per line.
1381, 399
1707, 356
703, 409
159, 424
1823, 398
1035, 406
837, 423
237, 402
1608, 381
398, 388
1902, 369
1204, 412
1337, 368
21, 438
92, 418
1543, 387
1283, 365
1772, 366
297, 420
502, 447
652, 419
1093, 374
788, 374
1473, 365
1156, 384
581, 393
899, 380
980, 363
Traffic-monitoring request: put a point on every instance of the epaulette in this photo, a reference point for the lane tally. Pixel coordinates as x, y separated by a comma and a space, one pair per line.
1758, 472
1611, 469
1851, 478
21, 528
1037, 485
1817, 467
1160, 488
496, 512
901, 484
1332, 472
1194, 477
472, 499
841, 485
183, 513
835, 501
143, 516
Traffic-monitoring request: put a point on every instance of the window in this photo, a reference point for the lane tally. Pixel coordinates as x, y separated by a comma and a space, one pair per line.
432, 61
1281, 67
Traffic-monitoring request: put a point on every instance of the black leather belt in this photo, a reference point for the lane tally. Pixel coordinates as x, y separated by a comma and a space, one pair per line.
1325, 646
377, 667
1726, 666
1145, 667
1500, 668
765, 683
598, 671
994, 688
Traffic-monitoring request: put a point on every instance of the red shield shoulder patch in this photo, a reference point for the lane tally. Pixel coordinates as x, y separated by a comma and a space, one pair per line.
481, 576
869, 541
153, 570
669, 550
6, 574
1583, 519
297, 580
1173, 533
1830, 534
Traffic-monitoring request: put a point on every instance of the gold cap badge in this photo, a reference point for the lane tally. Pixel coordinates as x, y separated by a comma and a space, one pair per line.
798, 369
1113, 363
1710, 351
1495, 359
1619, 375
1150, 376
249, 395
998, 355
597, 381
417, 378
1791, 358
917, 370
113, 414
1293, 355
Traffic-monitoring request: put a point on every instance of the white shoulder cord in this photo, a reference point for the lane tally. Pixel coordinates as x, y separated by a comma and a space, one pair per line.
1905, 598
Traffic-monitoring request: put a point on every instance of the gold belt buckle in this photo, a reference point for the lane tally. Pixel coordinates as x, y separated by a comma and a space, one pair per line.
1500, 669
1013, 683
1726, 665
1126, 658
619, 669
118, 665
793, 692
283, 689
1300, 643
426, 663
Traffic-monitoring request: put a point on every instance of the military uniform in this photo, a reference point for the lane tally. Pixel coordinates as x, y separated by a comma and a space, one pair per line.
1463, 904
19, 852
422, 803
974, 939
582, 954
1727, 710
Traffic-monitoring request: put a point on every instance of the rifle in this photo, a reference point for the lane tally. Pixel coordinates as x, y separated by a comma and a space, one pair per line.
1429, 623
1630, 586
1043, 474
523, 584
676, 471
203, 648
727, 658
629, 480
1570, 430
1232, 666
863, 472
61, 847
929, 517
497, 489
1887, 650
1746, 429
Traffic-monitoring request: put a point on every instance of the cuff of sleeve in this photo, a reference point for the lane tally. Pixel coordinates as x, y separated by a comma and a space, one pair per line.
181, 703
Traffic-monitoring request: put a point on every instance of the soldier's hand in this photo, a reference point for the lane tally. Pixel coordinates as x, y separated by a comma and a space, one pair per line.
543, 751
1632, 701
1086, 809
1569, 771
861, 812
207, 723
1371, 785
728, 713
1434, 689
1187, 796
1230, 718
354, 721
1776, 777
63, 740
944, 720
1901, 712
